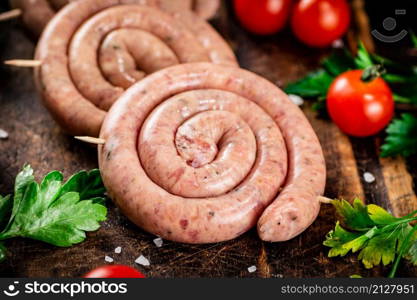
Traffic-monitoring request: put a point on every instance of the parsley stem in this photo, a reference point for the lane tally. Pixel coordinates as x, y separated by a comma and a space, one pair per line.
372, 72
389, 227
403, 247
401, 99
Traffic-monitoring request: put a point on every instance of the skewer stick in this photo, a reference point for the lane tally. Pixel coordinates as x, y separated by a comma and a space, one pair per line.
11, 14
23, 63
91, 140
324, 200
99, 141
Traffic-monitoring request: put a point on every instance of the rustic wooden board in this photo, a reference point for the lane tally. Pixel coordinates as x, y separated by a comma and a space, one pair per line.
36, 139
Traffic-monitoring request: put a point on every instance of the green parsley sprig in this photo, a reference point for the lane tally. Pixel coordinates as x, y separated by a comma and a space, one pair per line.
401, 137
53, 212
377, 235
402, 79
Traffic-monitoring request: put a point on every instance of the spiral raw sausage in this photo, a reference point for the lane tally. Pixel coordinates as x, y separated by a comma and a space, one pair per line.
37, 13
92, 50
199, 153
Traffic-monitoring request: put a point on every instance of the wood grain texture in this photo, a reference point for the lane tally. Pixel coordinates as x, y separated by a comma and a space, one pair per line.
35, 138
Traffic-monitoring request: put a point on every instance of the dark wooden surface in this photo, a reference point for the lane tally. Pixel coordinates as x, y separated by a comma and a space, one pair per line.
36, 139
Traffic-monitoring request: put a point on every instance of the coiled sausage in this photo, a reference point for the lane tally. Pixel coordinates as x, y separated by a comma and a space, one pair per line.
92, 50
199, 153
205, 9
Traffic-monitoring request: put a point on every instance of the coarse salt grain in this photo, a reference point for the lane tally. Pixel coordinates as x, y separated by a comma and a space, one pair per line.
108, 259
142, 260
369, 177
3, 134
297, 100
252, 269
158, 242
118, 250
337, 44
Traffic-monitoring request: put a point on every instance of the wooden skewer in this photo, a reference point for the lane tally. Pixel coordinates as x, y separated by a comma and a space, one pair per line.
23, 63
91, 140
324, 200
360, 29
11, 14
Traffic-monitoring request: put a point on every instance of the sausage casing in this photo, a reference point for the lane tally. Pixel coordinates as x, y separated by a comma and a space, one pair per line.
179, 169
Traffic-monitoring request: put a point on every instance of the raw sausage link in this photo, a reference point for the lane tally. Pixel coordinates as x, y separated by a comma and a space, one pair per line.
37, 13
198, 153
91, 51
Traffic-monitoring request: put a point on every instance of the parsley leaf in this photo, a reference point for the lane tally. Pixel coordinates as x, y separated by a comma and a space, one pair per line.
406, 90
379, 236
380, 248
413, 39
54, 212
401, 137
23, 179
402, 134
338, 62
87, 184
378, 215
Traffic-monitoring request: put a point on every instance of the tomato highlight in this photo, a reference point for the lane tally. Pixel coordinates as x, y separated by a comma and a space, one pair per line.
114, 271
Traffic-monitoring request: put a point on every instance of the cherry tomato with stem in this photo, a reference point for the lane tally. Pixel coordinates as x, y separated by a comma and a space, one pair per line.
262, 16
318, 23
114, 271
360, 102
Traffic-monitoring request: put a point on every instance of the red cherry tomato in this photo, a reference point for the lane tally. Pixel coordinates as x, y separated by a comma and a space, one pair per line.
359, 108
262, 16
114, 271
318, 23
